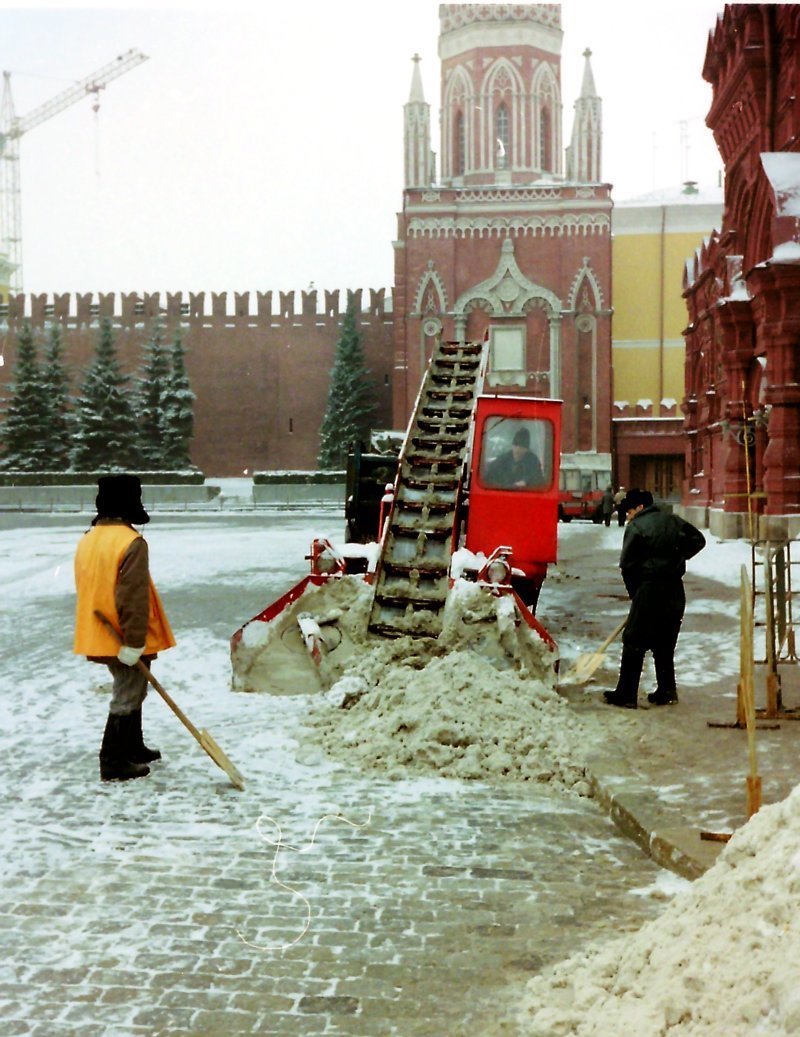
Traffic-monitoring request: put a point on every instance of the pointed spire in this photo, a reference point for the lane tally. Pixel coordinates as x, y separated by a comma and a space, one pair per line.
417, 95
417, 139
588, 88
585, 150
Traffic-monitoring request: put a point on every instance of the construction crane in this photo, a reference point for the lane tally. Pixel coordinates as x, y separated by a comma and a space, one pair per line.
11, 130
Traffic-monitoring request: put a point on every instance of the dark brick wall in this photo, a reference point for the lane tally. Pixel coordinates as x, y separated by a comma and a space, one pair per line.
261, 379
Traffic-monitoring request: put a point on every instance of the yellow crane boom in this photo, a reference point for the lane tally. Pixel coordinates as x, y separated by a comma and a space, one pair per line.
12, 128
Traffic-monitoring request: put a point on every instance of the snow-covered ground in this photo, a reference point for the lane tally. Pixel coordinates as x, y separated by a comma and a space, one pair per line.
218, 571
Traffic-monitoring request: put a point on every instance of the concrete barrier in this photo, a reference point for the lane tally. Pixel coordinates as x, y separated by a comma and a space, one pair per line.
81, 498
277, 494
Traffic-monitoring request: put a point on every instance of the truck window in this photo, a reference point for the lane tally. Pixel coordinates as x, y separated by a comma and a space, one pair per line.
516, 454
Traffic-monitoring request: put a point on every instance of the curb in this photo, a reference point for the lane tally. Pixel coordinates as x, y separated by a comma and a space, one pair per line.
670, 843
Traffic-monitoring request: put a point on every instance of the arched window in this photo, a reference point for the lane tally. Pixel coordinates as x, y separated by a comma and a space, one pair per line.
460, 145
545, 143
503, 131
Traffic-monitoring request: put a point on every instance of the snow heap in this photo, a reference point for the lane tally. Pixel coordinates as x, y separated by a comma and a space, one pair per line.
721, 959
478, 702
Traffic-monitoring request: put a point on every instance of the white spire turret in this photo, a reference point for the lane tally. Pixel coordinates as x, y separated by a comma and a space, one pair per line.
585, 150
418, 165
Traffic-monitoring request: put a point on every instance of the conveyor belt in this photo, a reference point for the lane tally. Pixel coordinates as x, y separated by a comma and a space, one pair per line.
412, 576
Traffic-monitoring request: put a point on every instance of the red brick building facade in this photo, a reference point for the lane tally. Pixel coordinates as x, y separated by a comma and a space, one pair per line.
742, 288
506, 240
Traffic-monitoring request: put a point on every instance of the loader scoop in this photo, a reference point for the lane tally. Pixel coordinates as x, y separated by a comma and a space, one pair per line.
305, 639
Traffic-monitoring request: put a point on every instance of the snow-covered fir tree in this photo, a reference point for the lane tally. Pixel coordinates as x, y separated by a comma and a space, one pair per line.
153, 387
55, 385
106, 432
178, 404
24, 432
350, 404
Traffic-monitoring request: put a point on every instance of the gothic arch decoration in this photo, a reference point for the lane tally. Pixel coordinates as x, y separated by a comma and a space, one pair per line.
431, 296
585, 294
508, 290
509, 293
458, 100
502, 85
546, 120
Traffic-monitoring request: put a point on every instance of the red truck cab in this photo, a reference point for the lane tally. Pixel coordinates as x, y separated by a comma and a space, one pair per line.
513, 491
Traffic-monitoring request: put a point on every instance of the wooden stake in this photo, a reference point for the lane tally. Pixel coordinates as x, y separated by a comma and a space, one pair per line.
748, 696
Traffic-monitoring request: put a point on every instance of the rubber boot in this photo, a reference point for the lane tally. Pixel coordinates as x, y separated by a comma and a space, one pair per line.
138, 752
627, 690
114, 762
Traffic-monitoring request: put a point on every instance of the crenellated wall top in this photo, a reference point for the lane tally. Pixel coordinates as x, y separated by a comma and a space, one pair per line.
251, 307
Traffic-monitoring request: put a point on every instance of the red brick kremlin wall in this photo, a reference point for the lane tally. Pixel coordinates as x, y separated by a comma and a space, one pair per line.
259, 369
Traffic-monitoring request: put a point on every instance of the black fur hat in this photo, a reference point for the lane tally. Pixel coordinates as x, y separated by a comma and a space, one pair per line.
120, 496
634, 498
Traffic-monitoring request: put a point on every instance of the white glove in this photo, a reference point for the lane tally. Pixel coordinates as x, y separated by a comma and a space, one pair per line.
129, 656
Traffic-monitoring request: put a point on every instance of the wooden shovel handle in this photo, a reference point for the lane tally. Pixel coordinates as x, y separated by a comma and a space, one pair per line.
152, 680
612, 636
203, 738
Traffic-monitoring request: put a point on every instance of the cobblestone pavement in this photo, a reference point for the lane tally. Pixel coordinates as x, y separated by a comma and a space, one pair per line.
153, 908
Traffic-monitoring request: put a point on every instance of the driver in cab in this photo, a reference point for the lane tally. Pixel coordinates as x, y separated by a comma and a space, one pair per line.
516, 468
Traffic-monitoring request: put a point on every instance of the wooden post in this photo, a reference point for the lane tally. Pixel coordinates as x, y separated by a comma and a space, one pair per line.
747, 684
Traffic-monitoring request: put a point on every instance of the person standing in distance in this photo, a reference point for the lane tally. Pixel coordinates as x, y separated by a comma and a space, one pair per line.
619, 497
655, 549
112, 574
607, 505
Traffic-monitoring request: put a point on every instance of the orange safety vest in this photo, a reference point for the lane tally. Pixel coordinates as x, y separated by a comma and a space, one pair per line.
97, 563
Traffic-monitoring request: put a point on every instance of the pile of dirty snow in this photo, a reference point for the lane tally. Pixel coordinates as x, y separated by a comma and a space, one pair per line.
721, 960
477, 702
454, 715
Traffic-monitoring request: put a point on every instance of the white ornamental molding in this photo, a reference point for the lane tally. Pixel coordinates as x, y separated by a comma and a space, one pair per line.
430, 297
523, 194
566, 226
585, 293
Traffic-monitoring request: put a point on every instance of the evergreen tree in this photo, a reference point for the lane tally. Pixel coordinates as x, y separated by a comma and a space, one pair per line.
178, 411
24, 431
55, 385
350, 397
106, 432
154, 385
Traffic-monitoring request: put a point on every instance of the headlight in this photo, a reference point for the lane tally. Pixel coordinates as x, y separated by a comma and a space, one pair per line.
498, 571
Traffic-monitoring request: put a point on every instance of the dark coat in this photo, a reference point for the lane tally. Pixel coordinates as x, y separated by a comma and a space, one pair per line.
655, 549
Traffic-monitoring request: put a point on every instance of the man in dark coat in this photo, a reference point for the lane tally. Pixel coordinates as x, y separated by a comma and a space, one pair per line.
518, 467
655, 548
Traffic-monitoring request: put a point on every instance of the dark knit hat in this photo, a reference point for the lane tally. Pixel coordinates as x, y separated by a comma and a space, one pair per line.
521, 438
120, 496
634, 498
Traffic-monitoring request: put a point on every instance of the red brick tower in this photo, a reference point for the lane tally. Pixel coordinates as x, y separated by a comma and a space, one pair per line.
506, 240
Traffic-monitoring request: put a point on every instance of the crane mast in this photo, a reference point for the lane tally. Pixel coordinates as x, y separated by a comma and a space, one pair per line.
12, 128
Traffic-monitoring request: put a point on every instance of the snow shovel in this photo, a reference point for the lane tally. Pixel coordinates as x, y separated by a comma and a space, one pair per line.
585, 665
203, 737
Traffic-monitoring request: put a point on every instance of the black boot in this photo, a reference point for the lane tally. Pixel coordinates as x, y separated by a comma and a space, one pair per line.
137, 750
115, 764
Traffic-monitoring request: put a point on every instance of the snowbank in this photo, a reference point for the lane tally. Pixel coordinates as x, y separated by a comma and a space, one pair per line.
721, 959
478, 702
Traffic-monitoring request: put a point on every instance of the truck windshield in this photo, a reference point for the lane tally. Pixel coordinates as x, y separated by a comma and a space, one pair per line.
516, 454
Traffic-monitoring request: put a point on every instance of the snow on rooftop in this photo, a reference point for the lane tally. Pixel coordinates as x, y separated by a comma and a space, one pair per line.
676, 196
783, 173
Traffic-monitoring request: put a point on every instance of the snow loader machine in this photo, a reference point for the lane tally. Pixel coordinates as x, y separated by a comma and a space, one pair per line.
455, 513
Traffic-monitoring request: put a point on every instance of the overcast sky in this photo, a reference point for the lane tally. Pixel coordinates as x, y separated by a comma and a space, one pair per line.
261, 148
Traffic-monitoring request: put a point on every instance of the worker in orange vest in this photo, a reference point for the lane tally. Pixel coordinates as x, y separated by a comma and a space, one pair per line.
112, 575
